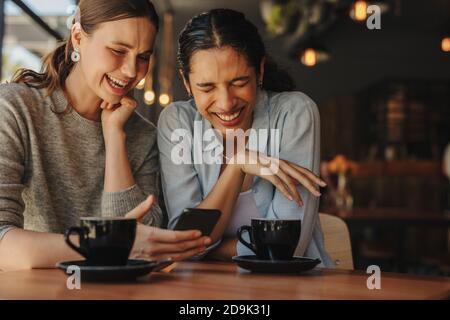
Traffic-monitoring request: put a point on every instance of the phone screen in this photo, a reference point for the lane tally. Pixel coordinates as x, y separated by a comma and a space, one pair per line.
198, 219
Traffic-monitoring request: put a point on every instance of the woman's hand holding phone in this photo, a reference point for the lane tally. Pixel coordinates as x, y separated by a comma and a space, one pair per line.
158, 244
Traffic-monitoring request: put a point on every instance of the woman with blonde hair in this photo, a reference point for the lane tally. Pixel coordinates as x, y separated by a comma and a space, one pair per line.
72, 144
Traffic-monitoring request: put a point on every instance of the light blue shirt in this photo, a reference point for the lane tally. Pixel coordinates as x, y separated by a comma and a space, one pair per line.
185, 185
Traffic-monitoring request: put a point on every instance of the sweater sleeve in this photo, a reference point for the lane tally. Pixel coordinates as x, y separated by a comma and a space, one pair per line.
146, 177
5, 229
12, 165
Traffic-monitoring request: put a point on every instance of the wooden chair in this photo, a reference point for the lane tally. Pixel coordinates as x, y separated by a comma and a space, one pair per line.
337, 240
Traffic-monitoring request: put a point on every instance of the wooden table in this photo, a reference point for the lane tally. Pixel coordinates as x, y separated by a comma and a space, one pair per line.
214, 280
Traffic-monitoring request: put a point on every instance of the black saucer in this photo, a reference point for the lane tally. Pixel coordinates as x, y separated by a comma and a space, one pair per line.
129, 272
295, 265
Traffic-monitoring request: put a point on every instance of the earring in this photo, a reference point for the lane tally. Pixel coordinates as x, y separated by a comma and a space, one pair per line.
260, 84
75, 56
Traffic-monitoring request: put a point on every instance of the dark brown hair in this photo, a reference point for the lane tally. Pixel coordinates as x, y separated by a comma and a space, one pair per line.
225, 27
58, 64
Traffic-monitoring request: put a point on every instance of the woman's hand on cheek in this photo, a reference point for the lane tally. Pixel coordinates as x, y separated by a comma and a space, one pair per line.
115, 116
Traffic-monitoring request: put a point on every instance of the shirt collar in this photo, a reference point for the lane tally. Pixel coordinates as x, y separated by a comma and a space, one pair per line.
211, 145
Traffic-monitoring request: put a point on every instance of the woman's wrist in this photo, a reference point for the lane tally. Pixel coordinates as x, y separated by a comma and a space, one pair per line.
237, 167
238, 162
112, 136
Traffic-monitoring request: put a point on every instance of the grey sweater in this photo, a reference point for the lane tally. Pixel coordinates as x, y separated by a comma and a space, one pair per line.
52, 165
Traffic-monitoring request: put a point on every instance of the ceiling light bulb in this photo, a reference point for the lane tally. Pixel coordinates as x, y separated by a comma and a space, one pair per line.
149, 97
360, 10
164, 99
309, 57
445, 44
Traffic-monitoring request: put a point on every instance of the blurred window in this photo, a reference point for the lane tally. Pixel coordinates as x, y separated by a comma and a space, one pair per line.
25, 42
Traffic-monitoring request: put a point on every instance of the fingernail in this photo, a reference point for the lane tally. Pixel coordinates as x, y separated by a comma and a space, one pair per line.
197, 234
290, 198
207, 241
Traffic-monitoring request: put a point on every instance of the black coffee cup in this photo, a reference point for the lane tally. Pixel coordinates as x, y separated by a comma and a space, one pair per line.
272, 239
104, 241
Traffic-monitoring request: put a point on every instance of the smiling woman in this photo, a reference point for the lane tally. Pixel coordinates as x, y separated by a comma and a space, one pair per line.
72, 145
235, 88
125, 41
214, 73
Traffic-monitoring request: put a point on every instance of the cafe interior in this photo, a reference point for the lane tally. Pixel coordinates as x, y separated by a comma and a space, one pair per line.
379, 72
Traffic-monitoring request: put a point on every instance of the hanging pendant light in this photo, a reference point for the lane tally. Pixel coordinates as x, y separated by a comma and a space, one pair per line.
149, 92
309, 57
445, 44
164, 99
313, 54
149, 97
359, 10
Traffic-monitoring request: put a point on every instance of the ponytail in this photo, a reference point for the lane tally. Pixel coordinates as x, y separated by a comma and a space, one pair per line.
225, 27
56, 68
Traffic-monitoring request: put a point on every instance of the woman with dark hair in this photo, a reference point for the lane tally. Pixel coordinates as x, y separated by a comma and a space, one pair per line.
72, 145
235, 88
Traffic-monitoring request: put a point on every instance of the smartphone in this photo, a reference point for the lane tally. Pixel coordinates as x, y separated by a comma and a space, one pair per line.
198, 219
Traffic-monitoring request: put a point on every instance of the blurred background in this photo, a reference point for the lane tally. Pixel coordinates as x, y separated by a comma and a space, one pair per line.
379, 72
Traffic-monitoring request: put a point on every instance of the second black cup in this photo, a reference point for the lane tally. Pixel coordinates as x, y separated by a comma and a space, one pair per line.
272, 239
104, 241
